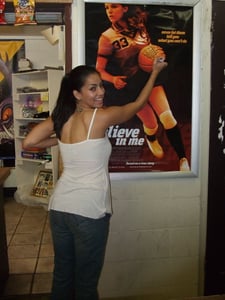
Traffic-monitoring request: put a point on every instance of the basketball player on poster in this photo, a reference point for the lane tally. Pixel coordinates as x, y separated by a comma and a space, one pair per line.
124, 59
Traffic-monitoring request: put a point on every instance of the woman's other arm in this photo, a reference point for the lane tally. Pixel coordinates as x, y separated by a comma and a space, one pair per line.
41, 136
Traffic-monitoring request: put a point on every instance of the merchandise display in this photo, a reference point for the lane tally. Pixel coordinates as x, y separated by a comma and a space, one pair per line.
34, 96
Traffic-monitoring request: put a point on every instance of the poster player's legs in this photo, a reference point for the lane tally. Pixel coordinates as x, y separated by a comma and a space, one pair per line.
150, 125
159, 103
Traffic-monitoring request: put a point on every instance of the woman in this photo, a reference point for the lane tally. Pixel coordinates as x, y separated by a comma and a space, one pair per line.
80, 206
117, 61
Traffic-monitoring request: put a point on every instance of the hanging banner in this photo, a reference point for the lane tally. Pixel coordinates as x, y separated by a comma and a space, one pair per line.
10, 52
122, 40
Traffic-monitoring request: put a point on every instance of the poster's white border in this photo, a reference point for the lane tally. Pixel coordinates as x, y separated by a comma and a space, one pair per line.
78, 57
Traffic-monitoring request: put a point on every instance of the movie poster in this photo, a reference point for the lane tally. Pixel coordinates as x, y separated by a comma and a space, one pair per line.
158, 138
10, 52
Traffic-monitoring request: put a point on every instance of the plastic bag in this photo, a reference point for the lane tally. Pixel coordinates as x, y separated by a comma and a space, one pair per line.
24, 12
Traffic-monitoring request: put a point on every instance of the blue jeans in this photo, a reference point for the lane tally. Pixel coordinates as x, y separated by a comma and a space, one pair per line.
79, 246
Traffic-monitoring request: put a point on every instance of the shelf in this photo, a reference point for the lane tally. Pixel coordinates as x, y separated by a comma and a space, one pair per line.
44, 95
20, 137
28, 72
38, 161
30, 119
45, 84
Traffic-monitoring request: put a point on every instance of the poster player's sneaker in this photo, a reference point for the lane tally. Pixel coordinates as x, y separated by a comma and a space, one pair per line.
184, 165
155, 148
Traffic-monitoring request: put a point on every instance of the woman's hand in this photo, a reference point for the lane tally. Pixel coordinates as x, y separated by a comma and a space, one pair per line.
159, 64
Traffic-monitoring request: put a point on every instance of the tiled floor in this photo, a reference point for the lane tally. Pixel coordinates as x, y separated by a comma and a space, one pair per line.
30, 250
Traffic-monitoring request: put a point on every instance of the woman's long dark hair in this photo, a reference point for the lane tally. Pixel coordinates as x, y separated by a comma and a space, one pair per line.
66, 102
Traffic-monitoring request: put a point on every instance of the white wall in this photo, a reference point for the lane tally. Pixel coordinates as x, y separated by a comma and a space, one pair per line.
157, 240
153, 246
37, 48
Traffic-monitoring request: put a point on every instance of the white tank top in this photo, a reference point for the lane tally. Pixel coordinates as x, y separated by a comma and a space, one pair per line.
84, 186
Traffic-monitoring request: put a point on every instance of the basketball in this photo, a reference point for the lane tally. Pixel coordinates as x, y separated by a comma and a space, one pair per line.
147, 55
